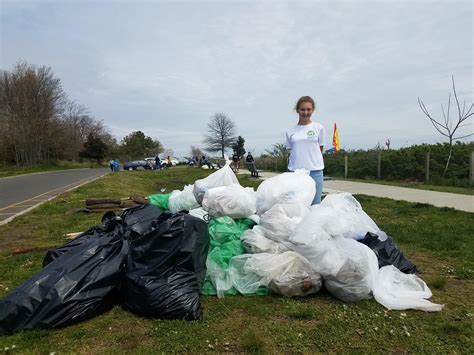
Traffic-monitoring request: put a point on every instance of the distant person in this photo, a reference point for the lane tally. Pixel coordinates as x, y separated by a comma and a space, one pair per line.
157, 163
168, 162
306, 140
236, 161
207, 162
249, 158
111, 164
250, 161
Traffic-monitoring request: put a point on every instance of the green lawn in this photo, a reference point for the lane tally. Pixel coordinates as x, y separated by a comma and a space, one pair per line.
438, 240
11, 170
418, 185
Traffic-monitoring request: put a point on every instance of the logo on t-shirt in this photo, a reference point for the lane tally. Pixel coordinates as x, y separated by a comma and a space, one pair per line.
310, 133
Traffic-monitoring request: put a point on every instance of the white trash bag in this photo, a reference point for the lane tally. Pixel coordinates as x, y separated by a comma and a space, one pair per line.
282, 219
297, 187
352, 221
222, 177
356, 275
234, 201
182, 200
348, 267
254, 241
398, 291
310, 231
288, 274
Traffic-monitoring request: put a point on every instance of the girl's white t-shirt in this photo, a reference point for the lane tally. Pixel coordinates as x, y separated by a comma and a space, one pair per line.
304, 142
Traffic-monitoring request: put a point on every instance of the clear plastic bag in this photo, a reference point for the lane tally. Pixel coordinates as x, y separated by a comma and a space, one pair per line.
297, 187
288, 274
222, 177
254, 241
310, 231
182, 200
354, 279
352, 221
281, 220
396, 290
348, 267
234, 201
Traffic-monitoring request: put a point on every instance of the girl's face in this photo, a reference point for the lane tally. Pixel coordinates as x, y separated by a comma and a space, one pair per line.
305, 110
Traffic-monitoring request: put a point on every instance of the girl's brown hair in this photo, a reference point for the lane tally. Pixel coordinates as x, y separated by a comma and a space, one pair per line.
305, 99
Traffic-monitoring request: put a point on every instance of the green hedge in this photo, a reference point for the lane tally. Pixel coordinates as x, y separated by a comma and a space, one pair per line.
405, 164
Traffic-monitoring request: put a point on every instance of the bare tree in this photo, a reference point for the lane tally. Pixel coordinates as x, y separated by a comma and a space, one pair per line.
196, 152
31, 102
446, 128
168, 152
221, 134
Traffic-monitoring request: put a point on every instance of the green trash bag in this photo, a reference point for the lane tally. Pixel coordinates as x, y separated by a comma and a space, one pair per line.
160, 200
225, 235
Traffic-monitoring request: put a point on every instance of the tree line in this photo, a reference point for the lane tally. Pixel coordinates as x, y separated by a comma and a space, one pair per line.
39, 124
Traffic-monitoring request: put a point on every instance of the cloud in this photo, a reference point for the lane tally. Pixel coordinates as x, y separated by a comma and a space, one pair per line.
165, 67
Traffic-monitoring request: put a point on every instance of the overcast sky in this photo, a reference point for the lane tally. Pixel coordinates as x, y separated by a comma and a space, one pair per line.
165, 67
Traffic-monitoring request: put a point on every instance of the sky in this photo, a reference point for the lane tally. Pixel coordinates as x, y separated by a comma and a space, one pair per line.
166, 67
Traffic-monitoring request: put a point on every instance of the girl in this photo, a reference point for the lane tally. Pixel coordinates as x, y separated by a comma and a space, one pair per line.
305, 141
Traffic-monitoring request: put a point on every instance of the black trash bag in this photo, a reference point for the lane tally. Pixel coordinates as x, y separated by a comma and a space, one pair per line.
83, 282
133, 221
166, 269
388, 253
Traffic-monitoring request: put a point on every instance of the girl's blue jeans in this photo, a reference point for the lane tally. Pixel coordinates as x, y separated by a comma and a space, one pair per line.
317, 176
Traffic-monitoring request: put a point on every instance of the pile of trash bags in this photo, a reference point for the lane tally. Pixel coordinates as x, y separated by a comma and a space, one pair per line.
149, 261
216, 237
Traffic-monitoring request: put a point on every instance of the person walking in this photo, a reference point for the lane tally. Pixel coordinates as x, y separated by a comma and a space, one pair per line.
250, 161
235, 161
306, 141
157, 163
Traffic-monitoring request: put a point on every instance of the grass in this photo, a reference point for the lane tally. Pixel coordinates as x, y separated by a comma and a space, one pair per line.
12, 170
418, 185
438, 240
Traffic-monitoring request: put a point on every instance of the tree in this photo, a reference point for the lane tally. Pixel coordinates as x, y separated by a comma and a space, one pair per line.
278, 150
238, 146
94, 148
221, 134
196, 152
168, 152
446, 129
137, 146
31, 102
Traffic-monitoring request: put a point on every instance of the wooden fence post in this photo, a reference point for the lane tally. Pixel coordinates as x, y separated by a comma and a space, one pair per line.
471, 168
379, 160
345, 167
427, 172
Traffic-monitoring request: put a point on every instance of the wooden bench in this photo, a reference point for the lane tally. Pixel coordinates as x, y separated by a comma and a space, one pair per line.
252, 169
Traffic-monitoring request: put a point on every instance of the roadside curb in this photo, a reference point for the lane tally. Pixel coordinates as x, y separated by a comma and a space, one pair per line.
9, 219
45, 172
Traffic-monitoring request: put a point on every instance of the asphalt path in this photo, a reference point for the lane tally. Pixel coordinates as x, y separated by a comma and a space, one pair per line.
24, 192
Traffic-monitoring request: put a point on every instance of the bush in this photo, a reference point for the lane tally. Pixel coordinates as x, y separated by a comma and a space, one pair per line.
406, 164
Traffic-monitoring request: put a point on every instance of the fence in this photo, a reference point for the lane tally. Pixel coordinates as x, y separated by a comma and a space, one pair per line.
423, 163
402, 166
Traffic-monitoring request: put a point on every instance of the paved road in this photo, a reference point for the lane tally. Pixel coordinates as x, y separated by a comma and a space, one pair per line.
19, 193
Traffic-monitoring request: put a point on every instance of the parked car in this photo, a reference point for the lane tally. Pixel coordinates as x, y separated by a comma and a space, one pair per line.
182, 160
137, 164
